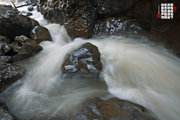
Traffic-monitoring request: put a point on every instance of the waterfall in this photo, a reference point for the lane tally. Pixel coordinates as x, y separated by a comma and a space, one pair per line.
133, 69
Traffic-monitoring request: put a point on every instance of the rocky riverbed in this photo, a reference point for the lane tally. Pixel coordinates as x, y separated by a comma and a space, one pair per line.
24, 41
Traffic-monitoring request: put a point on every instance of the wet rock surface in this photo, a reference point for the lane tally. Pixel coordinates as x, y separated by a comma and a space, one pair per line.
110, 109
10, 73
78, 16
23, 47
117, 26
12, 23
5, 114
40, 33
115, 109
83, 62
30, 8
113, 7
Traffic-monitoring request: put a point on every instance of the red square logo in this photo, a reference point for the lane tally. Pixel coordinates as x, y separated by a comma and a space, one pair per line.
158, 15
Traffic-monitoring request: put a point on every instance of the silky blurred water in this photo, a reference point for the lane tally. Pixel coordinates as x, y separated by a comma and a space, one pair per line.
133, 69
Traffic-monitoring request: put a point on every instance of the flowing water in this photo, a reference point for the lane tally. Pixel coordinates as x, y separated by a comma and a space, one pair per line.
133, 69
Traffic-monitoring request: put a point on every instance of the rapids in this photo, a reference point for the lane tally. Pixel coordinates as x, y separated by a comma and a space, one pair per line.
133, 69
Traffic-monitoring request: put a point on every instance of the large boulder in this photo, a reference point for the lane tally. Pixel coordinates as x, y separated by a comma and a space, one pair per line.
10, 73
18, 49
83, 62
5, 114
78, 17
115, 109
40, 33
110, 109
12, 23
23, 47
117, 26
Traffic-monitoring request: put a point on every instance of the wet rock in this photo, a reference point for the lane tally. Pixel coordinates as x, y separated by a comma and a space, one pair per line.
4, 39
113, 7
32, 2
21, 48
26, 13
24, 47
5, 48
117, 26
40, 33
83, 62
8, 59
12, 23
78, 16
110, 109
80, 20
10, 73
5, 114
113, 109
30, 8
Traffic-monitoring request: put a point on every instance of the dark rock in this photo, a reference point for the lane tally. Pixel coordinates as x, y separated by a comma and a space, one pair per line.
165, 32
114, 109
83, 62
40, 33
21, 48
32, 2
12, 23
8, 59
30, 8
78, 17
5, 48
4, 39
10, 73
113, 7
80, 21
5, 114
24, 47
117, 26
26, 13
